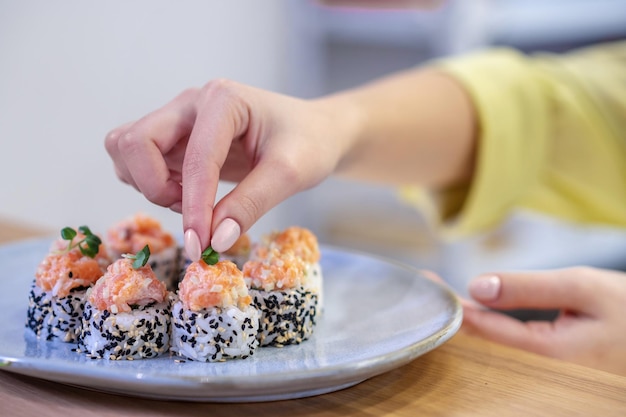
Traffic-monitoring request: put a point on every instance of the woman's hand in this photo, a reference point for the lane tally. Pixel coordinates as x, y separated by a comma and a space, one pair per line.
591, 327
395, 130
272, 145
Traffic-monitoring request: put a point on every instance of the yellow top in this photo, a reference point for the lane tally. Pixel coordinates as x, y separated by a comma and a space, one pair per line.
552, 137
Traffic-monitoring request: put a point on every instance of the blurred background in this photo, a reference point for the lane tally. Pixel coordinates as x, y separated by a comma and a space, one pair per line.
72, 70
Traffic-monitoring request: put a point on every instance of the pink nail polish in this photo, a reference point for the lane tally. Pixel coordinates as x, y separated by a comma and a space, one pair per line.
225, 235
485, 288
192, 245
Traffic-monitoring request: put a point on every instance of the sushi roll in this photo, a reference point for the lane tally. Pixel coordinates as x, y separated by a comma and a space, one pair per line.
213, 319
303, 244
127, 314
132, 234
56, 299
286, 299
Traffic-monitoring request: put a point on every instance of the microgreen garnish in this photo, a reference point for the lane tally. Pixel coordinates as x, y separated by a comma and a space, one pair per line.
88, 246
140, 258
210, 257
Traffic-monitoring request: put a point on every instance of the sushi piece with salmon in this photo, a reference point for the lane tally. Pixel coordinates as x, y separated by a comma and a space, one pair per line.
303, 244
56, 299
213, 319
127, 312
132, 234
286, 296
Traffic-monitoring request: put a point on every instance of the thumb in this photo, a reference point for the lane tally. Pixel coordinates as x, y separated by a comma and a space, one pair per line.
267, 185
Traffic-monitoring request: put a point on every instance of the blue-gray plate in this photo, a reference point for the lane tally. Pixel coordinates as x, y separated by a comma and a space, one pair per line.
378, 315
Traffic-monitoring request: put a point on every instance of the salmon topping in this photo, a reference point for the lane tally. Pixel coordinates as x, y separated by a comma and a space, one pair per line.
61, 272
206, 286
123, 287
131, 235
297, 240
278, 270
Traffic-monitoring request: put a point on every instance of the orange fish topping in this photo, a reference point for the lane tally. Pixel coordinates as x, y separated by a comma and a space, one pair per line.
276, 271
297, 240
61, 272
122, 286
206, 286
131, 235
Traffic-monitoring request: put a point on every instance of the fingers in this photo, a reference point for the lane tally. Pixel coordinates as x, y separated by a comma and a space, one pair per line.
588, 330
139, 150
538, 337
267, 185
177, 155
148, 170
571, 337
569, 289
111, 145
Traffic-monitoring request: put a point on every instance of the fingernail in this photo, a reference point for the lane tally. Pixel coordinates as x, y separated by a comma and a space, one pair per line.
225, 235
192, 245
485, 288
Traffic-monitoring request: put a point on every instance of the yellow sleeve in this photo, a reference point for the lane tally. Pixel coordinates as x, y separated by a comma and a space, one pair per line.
552, 137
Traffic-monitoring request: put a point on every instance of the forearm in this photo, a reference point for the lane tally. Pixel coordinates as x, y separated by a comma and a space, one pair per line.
415, 127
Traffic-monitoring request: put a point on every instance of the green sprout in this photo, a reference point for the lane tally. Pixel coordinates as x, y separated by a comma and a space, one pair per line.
210, 257
88, 246
140, 258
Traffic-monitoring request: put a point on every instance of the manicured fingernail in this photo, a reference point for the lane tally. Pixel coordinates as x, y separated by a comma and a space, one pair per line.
192, 245
225, 235
485, 288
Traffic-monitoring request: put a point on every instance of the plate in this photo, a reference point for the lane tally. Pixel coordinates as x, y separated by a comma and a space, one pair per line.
378, 315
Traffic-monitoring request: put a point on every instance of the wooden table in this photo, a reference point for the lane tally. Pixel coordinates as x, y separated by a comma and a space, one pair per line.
464, 377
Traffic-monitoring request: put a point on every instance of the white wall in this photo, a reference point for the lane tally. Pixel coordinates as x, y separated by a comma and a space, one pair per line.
71, 70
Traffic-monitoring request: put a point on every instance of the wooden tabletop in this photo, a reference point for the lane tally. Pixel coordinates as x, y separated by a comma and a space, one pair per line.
466, 376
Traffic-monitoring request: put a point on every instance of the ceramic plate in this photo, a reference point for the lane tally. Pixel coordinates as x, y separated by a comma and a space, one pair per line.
379, 315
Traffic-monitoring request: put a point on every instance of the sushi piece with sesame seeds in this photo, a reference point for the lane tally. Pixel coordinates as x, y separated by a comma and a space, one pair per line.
57, 295
213, 319
127, 314
132, 234
301, 243
286, 289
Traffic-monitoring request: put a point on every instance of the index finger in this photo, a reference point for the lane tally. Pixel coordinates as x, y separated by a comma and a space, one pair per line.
222, 116
568, 288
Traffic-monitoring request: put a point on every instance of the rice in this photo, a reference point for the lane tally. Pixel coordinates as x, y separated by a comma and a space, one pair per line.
287, 317
214, 334
138, 334
51, 317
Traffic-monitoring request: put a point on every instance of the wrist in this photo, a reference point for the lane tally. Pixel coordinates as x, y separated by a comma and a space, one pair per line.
347, 123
